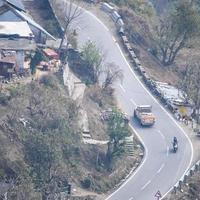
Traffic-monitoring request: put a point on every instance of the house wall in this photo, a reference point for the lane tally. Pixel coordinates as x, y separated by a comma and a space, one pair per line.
20, 60
4, 69
39, 36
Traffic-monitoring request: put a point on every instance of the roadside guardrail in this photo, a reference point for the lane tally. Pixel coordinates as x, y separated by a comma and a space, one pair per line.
184, 179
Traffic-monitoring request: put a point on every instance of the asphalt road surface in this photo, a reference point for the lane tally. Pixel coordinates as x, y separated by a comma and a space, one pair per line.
161, 168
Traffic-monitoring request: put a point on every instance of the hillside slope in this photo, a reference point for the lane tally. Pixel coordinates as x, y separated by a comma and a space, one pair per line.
41, 143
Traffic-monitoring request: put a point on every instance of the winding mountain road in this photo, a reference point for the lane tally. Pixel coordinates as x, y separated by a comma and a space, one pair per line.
161, 168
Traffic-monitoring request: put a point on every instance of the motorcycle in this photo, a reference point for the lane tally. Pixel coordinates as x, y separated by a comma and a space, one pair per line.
175, 147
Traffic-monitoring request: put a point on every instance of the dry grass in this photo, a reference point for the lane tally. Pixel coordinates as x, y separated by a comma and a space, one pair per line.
190, 191
82, 162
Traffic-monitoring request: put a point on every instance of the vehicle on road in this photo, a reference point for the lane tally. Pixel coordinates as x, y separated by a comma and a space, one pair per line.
175, 145
144, 114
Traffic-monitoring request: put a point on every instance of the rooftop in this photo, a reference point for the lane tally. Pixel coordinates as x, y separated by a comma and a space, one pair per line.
17, 29
29, 20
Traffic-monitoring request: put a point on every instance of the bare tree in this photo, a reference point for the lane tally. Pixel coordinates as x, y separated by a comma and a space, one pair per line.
191, 85
72, 12
72, 40
112, 73
175, 30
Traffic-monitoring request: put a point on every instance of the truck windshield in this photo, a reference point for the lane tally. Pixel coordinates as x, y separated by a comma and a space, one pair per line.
146, 110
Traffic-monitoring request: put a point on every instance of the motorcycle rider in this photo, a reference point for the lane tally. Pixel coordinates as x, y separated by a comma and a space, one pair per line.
175, 144
175, 141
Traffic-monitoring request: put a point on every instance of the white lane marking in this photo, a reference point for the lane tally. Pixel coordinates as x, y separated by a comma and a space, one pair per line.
131, 198
138, 168
120, 85
133, 172
146, 185
114, 39
167, 151
192, 153
162, 135
192, 149
133, 102
159, 170
146, 149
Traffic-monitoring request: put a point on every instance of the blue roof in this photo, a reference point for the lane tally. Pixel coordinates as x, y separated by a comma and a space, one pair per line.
17, 4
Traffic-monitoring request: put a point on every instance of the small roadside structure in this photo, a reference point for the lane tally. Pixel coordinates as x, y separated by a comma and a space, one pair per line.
7, 66
50, 53
19, 48
49, 60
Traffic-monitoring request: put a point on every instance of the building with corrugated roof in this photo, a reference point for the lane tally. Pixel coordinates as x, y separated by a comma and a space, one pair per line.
19, 33
13, 11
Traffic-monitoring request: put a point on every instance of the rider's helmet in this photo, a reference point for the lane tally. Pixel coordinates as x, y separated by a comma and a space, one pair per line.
175, 140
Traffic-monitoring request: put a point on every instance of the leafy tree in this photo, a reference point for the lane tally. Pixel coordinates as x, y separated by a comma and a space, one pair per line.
41, 156
35, 60
190, 83
117, 129
175, 30
93, 60
21, 188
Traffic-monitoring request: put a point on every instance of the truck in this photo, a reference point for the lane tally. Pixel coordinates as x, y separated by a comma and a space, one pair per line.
144, 115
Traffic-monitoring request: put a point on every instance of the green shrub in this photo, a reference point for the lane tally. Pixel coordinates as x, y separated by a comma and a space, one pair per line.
48, 81
2, 174
13, 92
86, 183
3, 99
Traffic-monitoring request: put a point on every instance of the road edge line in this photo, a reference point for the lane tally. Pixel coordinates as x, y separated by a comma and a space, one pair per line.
191, 145
133, 172
184, 133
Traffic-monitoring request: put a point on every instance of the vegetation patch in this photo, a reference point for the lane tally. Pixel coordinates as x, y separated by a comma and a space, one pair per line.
41, 143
